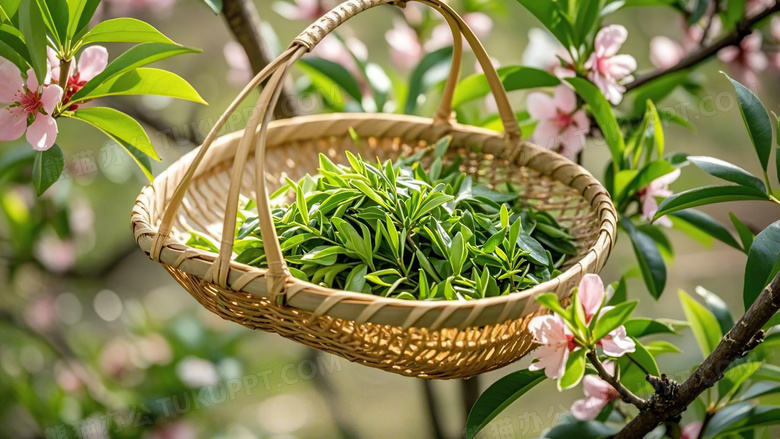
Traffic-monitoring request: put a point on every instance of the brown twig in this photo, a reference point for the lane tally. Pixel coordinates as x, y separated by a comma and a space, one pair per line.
244, 22
743, 29
742, 338
615, 383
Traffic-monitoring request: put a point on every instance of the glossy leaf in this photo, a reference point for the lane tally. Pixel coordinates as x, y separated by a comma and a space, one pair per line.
734, 377
338, 74
642, 327
707, 195
612, 319
47, 168
80, 13
708, 225
728, 172
718, 308
513, 77
119, 126
550, 16
745, 235
760, 262
756, 120
575, 370
31, 25
645, 358
146, 81
650, 261
430, 70
126, 30
761, 416
602, 112
133, 58
703, 323
498, 397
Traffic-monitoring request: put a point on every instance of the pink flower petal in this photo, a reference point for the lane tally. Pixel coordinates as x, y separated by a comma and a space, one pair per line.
728, 54
665, 52
609, 40
551, 359
546, 135
92, 61
540, 106
564, 99
42, 133
13, 122
617, 343
480, 23
664, 221
621, 66
10, 82
54, 63
665, 180
32, 80
691, 431
587, 409
51, 97
591, 294
649, 207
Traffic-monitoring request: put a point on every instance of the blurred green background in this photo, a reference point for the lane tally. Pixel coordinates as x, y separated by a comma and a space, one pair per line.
109, 341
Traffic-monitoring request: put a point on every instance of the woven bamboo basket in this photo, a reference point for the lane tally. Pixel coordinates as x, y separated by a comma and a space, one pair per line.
431, 339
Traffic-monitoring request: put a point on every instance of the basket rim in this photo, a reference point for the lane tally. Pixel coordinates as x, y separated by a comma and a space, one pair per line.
367, 308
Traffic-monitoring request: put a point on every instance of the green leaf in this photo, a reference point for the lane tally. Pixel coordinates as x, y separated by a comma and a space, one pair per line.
550, 301
777, 148
760, 261
643, 356
135, 57
430, 70
760, 389
10, 7
703, 323
727, 171
708, 225
745, 235
32, 26
14, 39
586, 17
55, 16
718, 308
734, 377
126, 30
732, 414
81, 12
458, 254
118, 126
549, 14
146, 81
748, 418
575, 370
47, 168
643, 178
498, 397
707, 195
513, 77
602, 112
215, 5
756, 120
650, 261
612, 319
338, 74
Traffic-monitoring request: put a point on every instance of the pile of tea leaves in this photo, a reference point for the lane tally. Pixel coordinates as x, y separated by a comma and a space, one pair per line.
397, 230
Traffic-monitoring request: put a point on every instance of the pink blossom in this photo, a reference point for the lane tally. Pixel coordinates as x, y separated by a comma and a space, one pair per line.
545, 52
657, 188
27, 99
774, 27
405, 46
344, 53
754, 7
745, 59
665, 52
608, 70
306, 10
556, 342
92, 62
591, 295
691, 431
173, 430
240, 70
562, 127
598, 393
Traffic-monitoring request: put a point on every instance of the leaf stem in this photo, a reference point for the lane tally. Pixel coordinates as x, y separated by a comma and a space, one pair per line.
627, 395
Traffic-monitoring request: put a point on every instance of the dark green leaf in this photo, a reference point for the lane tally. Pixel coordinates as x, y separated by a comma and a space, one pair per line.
707, 195
338, 74
644, 358
430, 70
756, 120
550, 16
718, 308
728, 172
580, 430
612, 319
650, 261
642, 327
47, 168
729, 415
31, 24
703, 323
602, 112
709, 225
498, 397
734, 377
761, 260
745, 235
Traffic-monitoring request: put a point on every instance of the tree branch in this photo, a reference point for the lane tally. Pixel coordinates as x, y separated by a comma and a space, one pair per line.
244, 21
743, 29
615, 383
743, 337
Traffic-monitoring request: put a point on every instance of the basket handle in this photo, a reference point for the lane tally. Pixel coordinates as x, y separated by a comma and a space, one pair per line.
277, 273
